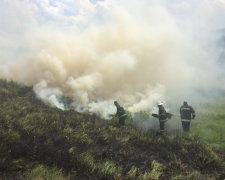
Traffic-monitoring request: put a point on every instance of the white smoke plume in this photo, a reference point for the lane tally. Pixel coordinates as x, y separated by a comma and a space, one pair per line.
135, 52
49, 94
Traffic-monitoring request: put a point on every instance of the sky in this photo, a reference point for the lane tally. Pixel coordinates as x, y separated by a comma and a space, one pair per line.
17, 16
98, 51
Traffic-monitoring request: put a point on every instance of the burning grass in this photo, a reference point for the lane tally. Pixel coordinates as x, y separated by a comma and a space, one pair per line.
39, 141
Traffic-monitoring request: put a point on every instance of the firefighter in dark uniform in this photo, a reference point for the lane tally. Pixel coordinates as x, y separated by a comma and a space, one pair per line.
162, 115
120, 113
187, 113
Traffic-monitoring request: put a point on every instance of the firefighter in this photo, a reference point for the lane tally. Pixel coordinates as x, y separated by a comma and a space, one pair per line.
162, 115
187, 113
120, 113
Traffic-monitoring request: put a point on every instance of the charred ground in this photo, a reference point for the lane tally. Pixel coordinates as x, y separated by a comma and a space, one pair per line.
42, 142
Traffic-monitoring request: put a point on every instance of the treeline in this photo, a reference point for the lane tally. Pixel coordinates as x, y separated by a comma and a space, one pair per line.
38, 141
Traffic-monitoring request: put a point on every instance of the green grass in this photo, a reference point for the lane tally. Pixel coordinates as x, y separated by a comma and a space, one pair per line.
44, 173
210, 123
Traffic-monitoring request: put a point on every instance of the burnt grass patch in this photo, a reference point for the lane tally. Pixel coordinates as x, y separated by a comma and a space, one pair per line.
84, 146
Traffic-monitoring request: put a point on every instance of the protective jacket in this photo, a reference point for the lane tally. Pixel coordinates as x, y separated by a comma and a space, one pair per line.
162, 114
120, 111
187, 112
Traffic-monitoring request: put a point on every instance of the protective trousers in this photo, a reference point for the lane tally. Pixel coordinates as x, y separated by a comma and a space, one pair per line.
162, 125
122, 119
186, 126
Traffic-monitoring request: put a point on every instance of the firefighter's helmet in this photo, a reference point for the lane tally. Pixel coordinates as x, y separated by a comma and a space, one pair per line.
160, 104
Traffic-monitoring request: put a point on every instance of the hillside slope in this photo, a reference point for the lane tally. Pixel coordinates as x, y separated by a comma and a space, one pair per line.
42, 142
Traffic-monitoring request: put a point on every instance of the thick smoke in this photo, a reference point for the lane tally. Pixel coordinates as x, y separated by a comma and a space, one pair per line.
135, 52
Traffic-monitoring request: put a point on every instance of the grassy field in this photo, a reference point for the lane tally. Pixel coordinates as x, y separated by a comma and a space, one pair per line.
40, 142
210, 123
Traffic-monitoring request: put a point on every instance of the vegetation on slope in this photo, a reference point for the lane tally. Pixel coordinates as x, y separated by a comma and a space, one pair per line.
43, 142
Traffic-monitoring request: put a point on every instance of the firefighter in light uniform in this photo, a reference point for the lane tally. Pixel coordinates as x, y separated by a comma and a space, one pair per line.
187, 113
120, 113
162, 115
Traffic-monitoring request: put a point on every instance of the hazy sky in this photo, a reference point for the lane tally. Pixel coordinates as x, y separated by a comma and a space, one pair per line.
18, 18
72, 11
